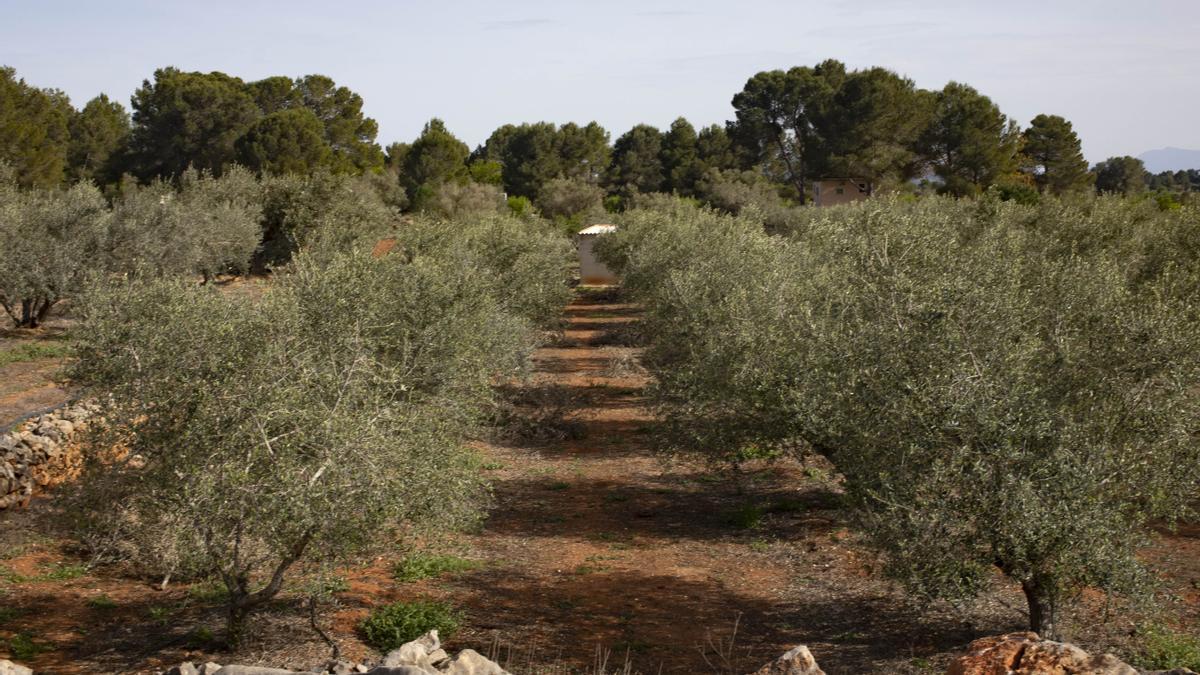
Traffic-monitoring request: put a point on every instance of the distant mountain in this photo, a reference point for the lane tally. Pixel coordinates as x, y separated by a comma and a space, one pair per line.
1170, 159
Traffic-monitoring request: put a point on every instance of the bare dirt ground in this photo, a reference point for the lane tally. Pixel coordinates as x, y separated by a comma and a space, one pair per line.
26, 386
596, 545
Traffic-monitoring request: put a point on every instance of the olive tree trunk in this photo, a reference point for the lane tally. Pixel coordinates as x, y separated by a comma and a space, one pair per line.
1042, 596
242, 601
30, 313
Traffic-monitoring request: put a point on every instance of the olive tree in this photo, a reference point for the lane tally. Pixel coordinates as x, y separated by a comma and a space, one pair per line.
570, 201
528, 261
321, 210
996, 408
307, 427
205, 226
462, 199
50, 241
993, 400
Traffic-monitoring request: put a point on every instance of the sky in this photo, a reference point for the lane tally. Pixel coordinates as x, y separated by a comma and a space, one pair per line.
1126, 73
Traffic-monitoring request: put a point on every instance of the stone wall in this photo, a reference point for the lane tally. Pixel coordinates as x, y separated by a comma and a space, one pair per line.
40, 453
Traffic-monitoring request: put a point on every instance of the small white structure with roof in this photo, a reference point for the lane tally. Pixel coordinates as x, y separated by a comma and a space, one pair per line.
592, 272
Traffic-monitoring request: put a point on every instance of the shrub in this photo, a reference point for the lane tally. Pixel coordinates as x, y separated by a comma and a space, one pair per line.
32, 351
735, 192
521, 206
23, 646
102, 602
746, 517
391, 626
419, 566
1165, 649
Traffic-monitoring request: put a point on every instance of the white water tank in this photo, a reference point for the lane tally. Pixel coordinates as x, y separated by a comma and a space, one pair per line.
592, 272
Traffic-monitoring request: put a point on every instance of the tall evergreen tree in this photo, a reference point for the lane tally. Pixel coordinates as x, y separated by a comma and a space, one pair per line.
34, 131
777, 116
188, 119
583, 152
869, 128
970, 143
349, 133
434, 159
636, 166
530, 158
715, 149
680, 158
1121, 175
285, 141
275, 93
99, 138
1055, 155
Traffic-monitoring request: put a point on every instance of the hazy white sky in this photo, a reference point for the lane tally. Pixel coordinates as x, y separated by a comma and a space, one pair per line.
1126, 73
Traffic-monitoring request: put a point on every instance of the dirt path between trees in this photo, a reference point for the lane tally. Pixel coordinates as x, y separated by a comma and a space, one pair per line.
595, 545
599, 545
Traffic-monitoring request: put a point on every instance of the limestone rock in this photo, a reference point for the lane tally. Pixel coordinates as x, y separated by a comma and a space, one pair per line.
991, 655
422, 653
471, 662
252, 670
400, 670
9, 668
185, 668
796, 661
1028, 654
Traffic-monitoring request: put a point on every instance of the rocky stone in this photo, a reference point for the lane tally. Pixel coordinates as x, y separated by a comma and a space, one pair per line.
185, 668
9, 668
339, 668
421, 653
401, 670
1028, 654
209, 668
471, 662
50, 431
253, 670
37, 453
796, 661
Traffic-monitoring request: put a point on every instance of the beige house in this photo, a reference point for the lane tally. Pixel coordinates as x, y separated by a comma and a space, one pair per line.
592, 272
834, 191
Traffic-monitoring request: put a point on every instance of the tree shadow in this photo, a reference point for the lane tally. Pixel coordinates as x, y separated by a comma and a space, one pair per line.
672, 624
679, 507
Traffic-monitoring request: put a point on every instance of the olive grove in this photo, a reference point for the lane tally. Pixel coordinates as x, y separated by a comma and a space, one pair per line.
1002, 387
312, 424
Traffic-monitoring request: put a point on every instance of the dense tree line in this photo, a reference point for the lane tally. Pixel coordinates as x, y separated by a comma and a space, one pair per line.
790, 127
181, 120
